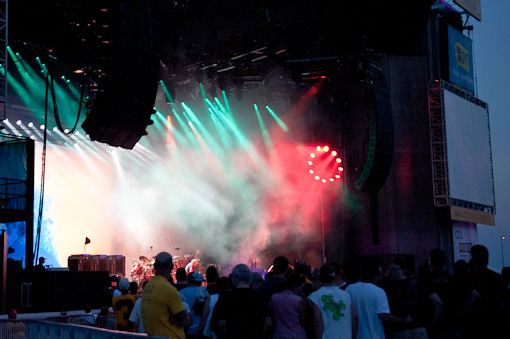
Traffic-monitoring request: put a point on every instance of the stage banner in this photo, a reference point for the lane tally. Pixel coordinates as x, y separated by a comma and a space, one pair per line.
469, 215
460, 59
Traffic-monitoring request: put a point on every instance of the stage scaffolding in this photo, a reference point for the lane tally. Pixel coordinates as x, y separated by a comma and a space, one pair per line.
439, 154
438, 145
17, 186
3, 57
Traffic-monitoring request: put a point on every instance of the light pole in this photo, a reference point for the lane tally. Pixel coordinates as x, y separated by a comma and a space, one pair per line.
502, 256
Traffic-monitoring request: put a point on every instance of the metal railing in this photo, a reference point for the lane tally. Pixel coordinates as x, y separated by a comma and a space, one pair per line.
93, 320
62, 328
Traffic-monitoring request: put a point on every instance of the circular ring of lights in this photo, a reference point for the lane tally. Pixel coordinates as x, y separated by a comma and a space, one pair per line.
334, 171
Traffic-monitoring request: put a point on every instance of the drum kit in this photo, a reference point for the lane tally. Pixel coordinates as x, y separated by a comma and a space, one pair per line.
143, 269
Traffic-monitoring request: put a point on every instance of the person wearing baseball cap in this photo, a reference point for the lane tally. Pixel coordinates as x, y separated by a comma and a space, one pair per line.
163, 313
122, 306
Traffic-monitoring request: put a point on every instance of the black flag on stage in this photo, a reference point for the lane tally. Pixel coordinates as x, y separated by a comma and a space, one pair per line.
87, 240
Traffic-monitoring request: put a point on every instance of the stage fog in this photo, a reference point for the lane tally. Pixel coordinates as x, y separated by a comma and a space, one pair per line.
235, 179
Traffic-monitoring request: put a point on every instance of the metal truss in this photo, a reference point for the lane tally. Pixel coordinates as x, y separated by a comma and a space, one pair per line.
439, 154
3, 57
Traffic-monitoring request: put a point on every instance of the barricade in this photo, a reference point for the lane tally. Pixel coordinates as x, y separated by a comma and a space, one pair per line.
60, 328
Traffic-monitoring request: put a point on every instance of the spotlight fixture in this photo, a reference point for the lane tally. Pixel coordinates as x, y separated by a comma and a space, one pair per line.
323, 168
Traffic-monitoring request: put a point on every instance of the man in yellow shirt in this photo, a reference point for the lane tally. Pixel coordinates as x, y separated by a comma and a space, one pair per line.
163, 313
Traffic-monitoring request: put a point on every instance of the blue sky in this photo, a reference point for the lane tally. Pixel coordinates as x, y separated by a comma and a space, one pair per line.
491, 42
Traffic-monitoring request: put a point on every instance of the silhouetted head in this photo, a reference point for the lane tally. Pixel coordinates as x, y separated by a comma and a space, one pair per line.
280, 265
211, 275
351, 271
371, 272
241, 273
12, 313
480, 256
180, 274
163, 262
326, 274
302, 268
437, 258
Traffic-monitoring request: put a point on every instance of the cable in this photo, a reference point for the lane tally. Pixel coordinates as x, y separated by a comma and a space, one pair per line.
50, 85
55, 108
43, 170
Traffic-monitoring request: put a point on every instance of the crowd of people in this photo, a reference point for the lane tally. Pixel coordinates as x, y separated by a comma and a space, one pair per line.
354, 299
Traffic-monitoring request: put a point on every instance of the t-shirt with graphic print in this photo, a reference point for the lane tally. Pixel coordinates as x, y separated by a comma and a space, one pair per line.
335, 307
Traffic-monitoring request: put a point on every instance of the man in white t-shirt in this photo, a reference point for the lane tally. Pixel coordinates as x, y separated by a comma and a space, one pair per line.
371, 304
333, 313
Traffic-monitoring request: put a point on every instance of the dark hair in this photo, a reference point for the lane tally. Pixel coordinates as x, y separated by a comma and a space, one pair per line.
222, 284
480, 255
336, 266
211, 275
301, 267
460, 267
351, 271
256, 277
104, 311
133, 287
180, 274
399, 261
88, 308
437, 258
370, 270
292, 281
280, 265
326, 274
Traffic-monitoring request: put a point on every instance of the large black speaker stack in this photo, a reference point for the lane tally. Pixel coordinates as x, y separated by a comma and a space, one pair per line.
129, 76
56, 291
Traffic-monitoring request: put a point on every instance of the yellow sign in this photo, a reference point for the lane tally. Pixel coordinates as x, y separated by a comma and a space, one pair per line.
477, 217
462, 56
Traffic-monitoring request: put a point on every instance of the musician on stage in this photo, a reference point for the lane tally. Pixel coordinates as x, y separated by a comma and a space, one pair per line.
190, 268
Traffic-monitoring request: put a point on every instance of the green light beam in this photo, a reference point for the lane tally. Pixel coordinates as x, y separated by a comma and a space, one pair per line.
222, 108
185, 127
278, 120
167, 93
222, 132
242, 140
265, 133
159, 122
203, 91
16, 59
202, 130
227, 105
27, 99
